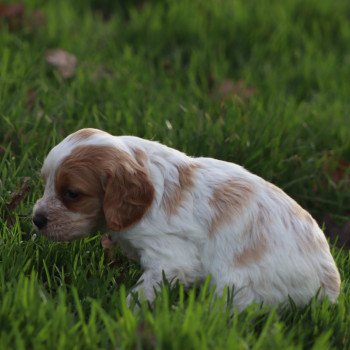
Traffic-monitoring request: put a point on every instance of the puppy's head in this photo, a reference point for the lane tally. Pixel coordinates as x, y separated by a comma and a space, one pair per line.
89, 186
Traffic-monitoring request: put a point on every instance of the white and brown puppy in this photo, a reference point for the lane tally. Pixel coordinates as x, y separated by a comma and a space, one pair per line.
189, 217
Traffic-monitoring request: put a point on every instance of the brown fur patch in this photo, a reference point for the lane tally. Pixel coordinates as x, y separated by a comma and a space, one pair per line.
302, 214
310, 241
109, 182
228, 201
83, 134
294, 212
275, 188
264, 215
140, 156
252, 254
175, 192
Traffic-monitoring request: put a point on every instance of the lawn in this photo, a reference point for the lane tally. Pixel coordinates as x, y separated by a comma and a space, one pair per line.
264, 84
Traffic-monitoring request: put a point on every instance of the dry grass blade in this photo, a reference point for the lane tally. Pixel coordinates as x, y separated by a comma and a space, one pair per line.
227, 89
65, 62
16, 198
13, 14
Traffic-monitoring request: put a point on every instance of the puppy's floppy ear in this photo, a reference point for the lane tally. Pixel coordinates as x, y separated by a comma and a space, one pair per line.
128, 193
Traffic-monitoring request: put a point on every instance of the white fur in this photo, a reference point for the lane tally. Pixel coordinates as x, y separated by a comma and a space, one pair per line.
297, 262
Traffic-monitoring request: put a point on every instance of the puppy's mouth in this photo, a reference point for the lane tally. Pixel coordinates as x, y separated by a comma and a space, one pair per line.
62, 237
62, 228
57, 237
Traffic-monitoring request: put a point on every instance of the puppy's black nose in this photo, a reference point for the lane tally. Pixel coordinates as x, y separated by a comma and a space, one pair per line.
39, 221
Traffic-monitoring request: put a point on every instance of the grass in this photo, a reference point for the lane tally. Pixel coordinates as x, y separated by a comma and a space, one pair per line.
155, 69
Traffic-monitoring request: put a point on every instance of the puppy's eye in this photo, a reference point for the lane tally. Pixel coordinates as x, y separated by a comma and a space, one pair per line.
71, 195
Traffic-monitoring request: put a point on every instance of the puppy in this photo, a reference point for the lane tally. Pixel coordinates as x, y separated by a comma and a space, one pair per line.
186, 217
